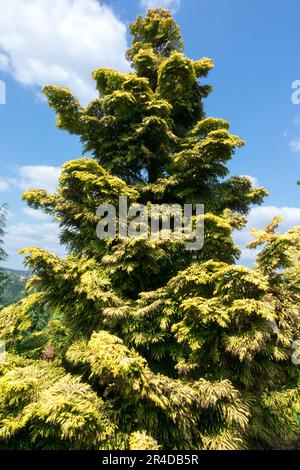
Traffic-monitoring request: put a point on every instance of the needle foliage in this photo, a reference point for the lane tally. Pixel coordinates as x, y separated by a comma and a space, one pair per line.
146, 345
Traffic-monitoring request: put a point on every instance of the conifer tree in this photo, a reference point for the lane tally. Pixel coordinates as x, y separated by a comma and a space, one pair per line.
148, 345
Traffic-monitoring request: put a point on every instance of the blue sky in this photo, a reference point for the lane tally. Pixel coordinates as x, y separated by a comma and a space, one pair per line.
255, 45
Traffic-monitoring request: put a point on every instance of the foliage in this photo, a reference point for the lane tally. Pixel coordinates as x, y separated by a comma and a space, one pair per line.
130, 344
3, 255
13, 288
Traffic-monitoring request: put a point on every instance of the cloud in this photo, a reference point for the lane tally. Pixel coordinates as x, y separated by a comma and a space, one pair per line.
37, 229
21, 235
60, 42
28, 234
253, 180
170, 4
38, 176
32, 176
35, 214
259, 218
4, 62
295, 144
4, 185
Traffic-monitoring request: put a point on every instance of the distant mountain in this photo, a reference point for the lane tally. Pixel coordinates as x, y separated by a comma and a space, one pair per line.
17, 272
12, 288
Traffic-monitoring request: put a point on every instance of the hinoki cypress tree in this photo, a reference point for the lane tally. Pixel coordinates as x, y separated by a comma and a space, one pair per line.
148, 345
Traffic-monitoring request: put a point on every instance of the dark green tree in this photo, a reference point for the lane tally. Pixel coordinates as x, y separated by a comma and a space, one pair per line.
149, 345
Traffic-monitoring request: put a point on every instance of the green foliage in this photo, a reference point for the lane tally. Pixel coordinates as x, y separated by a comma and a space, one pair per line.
157, 30
42, 407
165, 406
140, 441
141, 344
13, 288
3, 277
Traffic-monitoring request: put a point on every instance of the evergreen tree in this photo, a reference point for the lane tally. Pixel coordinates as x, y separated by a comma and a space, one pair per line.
148, 345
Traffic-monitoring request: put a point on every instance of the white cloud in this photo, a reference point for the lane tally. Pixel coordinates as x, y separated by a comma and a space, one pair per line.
22, 235
295, 144
38, 176
10, 215
35, 214
32, 176
253, 180
39, 230
170, 4
259, 218
60, 42
4, 185
4, 62
26, 234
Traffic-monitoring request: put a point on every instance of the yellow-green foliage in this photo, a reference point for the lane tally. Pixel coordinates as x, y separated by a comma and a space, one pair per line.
141, 344
140, 441
42, 406
171, 404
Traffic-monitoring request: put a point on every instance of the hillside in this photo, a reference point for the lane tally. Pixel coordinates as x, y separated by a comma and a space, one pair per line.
13, 288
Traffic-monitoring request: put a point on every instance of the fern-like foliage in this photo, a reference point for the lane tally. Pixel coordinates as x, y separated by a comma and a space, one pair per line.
141, 344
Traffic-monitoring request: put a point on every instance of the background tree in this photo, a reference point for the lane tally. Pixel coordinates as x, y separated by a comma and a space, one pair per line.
3, 255
149, 345
13, 287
